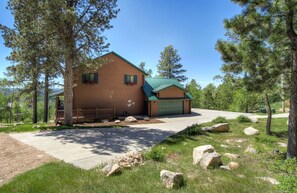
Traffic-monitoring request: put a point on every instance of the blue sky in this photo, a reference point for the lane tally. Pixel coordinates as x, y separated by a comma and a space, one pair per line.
144, 27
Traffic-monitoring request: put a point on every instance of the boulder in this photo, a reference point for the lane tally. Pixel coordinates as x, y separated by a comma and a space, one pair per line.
211, 160
117, 121
171, 179
254, 119
146, 118
250, 149
104, 121
225, 167
221, 127
231, 155
282, 144
224, 146
130, 119
233, 165
115, 169
251, 131
269, 179
35, 126
199, 151
106, 169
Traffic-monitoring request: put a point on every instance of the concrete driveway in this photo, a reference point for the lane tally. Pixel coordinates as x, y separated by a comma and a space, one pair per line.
86, 148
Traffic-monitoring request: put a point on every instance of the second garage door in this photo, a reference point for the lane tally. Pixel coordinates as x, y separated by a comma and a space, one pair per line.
170, 107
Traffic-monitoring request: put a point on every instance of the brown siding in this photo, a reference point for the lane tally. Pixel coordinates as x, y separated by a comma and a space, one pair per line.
154, 108
172, 92
111, 90
187, 106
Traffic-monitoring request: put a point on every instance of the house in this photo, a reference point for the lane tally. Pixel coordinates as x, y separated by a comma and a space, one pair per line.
119, 88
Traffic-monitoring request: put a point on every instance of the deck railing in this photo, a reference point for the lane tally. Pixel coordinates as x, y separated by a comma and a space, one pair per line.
90, 114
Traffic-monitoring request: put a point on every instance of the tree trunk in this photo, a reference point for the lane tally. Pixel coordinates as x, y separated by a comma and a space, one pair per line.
68, 92
34, 101
283, 93
292, 128
268, 108
46, 88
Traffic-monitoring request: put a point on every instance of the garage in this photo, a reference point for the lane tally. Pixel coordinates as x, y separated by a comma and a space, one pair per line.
170, 107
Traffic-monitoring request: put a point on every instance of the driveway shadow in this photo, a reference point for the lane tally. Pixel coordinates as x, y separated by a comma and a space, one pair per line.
107, 141
193, 114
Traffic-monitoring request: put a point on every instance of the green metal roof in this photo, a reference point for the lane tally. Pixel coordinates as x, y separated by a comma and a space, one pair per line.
153, 85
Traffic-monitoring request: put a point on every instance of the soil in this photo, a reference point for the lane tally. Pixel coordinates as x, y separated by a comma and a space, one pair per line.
16, 158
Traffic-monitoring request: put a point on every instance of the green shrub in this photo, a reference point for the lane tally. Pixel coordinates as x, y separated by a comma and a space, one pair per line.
288, 182
194, 129
156, 155
243, 119
220, 119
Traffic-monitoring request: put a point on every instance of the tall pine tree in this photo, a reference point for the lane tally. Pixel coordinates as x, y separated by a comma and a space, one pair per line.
169, 65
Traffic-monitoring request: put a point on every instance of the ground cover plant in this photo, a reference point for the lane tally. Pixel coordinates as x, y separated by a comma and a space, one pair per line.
177, 152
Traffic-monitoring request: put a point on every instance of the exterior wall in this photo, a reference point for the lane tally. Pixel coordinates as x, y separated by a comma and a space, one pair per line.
187, 106
172, 92
153, 108
111, 91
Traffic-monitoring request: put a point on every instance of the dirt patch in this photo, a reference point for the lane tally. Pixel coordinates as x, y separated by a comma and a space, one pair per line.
122, 123
16, 158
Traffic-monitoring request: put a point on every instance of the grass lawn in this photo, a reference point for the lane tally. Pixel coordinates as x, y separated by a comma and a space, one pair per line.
62, 177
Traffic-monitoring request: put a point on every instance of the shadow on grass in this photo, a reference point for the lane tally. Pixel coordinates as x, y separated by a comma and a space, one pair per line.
280, 134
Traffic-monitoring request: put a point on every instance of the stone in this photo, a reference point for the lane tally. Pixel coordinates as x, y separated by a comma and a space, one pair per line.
104, 121
240, 176
254, 119
117, 121
221, 127
224, 146
106, 169
282, 144
115, 169
35, 126
231, 155
233, 165
251, 131
199, 151
225, 167
130, 119
171, 179
275, 151
211, 160
269, 179
250, 149
146, 118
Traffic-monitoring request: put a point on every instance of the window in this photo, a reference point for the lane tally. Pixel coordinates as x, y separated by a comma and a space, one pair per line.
130, 79
90, 78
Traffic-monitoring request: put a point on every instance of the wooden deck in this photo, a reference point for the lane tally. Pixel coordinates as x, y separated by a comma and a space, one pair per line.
85, 115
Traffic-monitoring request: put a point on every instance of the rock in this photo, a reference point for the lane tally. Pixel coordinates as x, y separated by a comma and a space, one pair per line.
221, 127
146, 118
130, 119
233, 165
115, 169
35, 126
275, 151
254, 119
117, 121
225, 167
231, 155
269, 179
251, 131
171, 179
106, 169
211, 160
131, 159
199, 151
104, 121
250, 149
240, 176
224, 146
282, 144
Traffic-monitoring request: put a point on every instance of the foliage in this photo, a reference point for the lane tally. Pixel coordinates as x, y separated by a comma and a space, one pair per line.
209, 97
243, 119
288, 182
148, 71
220, 119
195, 90
169, 64
156, 155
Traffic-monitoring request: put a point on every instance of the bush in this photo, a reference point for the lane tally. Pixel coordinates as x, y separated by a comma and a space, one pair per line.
243, 119
220, 120
194, 129
156, 155
288, 182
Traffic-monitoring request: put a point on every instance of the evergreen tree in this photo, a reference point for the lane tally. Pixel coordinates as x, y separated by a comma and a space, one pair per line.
209, 97
169, 65
148, 71
195, 90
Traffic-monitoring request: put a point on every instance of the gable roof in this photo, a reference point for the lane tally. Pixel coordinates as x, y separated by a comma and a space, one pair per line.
154, 85
122, 58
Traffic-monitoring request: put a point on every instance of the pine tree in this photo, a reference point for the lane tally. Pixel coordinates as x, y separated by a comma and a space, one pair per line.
169, 65
148, 71
195, 90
